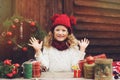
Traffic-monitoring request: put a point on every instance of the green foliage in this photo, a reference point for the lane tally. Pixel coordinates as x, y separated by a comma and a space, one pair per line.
6, 69
6, 25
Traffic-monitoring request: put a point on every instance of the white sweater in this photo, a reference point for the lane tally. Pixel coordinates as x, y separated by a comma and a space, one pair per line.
56, 60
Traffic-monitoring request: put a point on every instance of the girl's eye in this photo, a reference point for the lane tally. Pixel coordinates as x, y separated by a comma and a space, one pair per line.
63, 30
57, 30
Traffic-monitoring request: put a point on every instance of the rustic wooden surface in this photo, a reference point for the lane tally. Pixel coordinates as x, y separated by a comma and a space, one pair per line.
54, 76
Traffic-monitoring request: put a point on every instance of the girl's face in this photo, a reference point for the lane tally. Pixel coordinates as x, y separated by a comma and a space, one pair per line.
60, 33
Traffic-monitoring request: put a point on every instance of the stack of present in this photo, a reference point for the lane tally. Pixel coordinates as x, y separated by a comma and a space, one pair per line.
96, 67
31, 69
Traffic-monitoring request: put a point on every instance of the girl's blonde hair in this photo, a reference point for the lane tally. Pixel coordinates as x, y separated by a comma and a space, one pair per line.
71, 40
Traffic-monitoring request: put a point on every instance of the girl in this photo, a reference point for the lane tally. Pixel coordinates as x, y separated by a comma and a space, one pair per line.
61, 50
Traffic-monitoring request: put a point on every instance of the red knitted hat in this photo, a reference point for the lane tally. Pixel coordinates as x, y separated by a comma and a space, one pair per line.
64, 20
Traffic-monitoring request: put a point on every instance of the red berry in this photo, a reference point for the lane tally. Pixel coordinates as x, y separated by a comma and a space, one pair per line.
10, 74
32, 23
9, 42
24, 48
13, 26
14, 72
7, 62
16, 65
9, 33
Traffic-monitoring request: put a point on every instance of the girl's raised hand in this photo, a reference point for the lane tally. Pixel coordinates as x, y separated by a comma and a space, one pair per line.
35, 44
83, 44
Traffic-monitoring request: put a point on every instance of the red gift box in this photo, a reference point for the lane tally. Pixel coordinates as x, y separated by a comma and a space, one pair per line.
77, 73
81, 63
36, 69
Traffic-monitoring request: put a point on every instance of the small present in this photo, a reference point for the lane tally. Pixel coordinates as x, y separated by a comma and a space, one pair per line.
36, 69
81, 63
89, 70
103, 69
77, 71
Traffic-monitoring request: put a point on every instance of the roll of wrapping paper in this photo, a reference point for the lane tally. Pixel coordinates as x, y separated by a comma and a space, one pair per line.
27, 70
89, 70
36, 69
103, 69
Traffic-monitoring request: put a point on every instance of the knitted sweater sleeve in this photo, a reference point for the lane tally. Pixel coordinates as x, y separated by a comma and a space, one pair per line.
77, 56
43, 58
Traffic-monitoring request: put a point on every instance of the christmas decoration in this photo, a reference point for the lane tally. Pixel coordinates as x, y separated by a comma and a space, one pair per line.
15, 36
88, 63
77, 71
103, 69
90, 59
27, 70
116, 69
89, 70
36, 72
9, 70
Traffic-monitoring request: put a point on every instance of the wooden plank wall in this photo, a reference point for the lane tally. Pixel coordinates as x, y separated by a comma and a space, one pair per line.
5, 11
39, 10
99, 21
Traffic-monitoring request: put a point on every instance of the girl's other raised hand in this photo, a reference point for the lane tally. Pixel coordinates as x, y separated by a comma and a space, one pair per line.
83, 44
35, 44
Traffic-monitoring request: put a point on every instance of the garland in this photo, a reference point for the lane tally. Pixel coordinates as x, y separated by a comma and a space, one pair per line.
17, 31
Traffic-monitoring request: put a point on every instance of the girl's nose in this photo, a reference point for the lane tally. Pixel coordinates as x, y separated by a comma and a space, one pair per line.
60, 32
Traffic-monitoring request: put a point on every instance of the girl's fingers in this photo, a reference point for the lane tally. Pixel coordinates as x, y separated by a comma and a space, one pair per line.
41, 43
33, 39
86, 40
29, 44
30, 41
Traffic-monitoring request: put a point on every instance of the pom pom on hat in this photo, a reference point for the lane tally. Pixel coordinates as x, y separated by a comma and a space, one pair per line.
54, 17
64, 20
72, 20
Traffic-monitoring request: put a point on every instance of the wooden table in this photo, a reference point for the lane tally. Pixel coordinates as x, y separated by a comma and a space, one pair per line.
54, 76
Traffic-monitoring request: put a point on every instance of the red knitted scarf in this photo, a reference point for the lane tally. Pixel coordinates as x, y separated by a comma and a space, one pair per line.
60, 45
